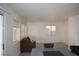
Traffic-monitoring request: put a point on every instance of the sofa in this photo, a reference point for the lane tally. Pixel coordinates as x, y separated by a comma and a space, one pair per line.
26, 45
75, 49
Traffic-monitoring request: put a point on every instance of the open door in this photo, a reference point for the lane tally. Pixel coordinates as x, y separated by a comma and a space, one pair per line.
1, 35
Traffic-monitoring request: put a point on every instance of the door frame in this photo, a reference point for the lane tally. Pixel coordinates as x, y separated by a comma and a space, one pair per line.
2, 14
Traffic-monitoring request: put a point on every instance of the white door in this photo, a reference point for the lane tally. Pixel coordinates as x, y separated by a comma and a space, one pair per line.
1, 35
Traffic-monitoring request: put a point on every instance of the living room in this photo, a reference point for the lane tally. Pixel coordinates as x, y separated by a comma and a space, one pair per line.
53, 24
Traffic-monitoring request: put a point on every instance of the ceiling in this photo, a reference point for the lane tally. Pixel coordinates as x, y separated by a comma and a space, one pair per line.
45, 11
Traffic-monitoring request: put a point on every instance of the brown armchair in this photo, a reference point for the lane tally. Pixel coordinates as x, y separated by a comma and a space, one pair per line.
26, 44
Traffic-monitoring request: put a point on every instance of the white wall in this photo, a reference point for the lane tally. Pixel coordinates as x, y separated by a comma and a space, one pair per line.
23, 31
38, 32
9, 16
73, 30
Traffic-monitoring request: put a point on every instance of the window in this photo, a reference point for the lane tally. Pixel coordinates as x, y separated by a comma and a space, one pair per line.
16, 31
51, 28
16, 34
